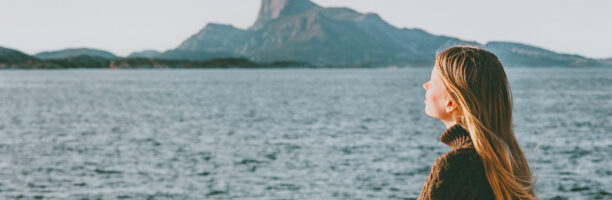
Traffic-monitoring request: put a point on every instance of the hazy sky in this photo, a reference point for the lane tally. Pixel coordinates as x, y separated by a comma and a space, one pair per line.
122, 26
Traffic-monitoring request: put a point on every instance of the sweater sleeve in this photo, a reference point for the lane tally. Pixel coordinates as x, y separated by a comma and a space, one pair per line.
457, 175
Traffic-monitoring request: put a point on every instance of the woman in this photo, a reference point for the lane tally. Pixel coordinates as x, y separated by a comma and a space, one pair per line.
469, 92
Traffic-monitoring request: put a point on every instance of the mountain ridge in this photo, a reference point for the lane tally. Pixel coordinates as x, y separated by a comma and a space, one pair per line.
75, 52
303, 31
14, 59
519, 54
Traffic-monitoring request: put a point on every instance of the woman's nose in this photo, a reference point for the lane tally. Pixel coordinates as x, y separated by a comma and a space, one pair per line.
425, 85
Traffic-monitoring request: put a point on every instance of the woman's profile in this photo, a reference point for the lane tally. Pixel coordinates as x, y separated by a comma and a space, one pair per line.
468, 90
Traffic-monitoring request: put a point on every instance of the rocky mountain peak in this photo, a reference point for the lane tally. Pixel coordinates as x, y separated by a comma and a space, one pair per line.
216, 25
272, 9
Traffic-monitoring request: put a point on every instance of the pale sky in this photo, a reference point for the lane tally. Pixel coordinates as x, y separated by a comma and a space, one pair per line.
122, 26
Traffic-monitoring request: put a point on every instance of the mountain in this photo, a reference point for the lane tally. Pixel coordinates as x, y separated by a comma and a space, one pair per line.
341, 36
144, 54
13, 56
216, 38
13, 59
517, 54
67, 53
10, 58
303, 31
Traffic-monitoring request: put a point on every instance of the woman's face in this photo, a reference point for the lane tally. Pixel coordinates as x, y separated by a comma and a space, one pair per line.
436, 98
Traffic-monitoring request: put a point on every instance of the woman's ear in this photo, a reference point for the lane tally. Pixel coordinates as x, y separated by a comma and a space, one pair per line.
451, 106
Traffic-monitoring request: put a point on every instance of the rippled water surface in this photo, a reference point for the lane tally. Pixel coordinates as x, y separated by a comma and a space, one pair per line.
277, 133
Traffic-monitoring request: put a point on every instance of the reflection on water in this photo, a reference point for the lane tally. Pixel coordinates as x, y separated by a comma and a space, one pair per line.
282, 133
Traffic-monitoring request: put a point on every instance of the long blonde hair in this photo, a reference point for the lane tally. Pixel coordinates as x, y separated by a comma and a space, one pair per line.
476, 81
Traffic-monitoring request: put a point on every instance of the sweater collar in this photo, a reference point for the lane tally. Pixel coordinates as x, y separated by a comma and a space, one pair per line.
455, 136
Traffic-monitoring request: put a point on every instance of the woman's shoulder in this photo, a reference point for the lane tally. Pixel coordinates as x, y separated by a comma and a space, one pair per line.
460, 157
458, 174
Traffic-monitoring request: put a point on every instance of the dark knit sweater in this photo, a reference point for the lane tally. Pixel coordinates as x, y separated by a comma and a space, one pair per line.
459, 173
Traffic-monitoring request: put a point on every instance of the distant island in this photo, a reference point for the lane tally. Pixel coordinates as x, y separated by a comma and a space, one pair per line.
86, 58
298, 33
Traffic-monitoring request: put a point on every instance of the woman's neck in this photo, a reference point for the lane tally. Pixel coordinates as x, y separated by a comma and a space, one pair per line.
449, 123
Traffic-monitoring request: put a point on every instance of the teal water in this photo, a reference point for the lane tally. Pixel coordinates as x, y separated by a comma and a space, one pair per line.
277, 133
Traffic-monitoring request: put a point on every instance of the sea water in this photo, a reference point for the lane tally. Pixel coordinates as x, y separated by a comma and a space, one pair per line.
277, 133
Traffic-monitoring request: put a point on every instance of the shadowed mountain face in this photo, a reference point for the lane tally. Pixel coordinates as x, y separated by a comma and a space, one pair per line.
273, 9
67, 53
341, 36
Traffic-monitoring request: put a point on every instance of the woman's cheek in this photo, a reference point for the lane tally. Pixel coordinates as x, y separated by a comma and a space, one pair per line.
433, 106
430, 106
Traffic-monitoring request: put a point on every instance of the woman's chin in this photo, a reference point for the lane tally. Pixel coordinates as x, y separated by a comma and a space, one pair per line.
427, 113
